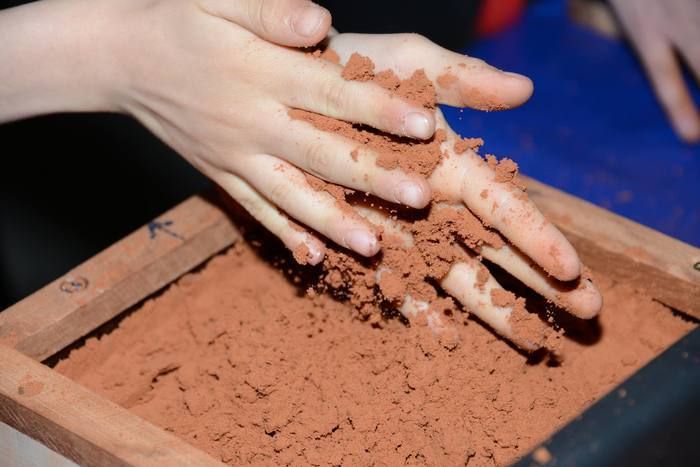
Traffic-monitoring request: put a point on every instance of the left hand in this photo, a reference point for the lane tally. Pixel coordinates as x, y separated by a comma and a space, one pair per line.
463, 179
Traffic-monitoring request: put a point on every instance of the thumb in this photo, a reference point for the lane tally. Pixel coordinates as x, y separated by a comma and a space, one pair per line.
293, 23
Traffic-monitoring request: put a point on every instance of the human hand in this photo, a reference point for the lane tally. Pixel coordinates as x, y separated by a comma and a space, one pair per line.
538, 254
220, 96
657, 30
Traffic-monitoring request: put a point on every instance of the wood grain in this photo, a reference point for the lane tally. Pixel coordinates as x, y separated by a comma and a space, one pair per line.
81, 425
117, 278
661, 266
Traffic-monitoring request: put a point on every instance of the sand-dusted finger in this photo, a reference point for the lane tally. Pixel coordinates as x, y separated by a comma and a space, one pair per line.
417, 312
306, 248
474, 286
339, 160
491, 192
314, 206
581, 299
461, 81
329, 89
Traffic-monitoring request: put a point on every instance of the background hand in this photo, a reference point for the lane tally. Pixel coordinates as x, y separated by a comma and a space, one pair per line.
658, 30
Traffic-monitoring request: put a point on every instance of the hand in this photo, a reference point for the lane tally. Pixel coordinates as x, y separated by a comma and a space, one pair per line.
657, 29
540, 256
194, 74
220, 96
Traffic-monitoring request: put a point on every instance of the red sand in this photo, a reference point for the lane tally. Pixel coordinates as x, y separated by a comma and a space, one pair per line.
238, 362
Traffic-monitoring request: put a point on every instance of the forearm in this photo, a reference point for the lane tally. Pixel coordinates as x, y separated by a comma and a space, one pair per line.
53, 59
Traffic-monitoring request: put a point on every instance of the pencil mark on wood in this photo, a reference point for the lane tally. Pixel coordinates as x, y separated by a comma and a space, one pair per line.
155, 226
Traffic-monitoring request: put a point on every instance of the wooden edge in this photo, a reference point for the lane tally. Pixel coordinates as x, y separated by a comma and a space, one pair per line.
661, 266
117, 278
81, 425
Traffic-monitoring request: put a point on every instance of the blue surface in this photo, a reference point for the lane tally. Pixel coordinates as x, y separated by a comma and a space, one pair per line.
593, 127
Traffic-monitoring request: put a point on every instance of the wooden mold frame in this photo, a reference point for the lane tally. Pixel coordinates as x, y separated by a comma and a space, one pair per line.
91, 430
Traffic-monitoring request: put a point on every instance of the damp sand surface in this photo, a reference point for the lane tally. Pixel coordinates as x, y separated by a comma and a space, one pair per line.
237, 360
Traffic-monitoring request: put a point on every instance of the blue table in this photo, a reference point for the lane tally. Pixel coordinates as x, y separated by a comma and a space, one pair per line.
593, 127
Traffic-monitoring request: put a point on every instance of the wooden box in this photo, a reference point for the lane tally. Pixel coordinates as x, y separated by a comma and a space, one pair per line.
90, 430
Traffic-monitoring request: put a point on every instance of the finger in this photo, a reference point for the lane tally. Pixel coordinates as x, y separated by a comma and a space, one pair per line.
419, 312
472, 284
305, 247
294, 23
344, 162
466, 177
666, 76
460, 80
287, 187
686, 39
582, 299
320, 88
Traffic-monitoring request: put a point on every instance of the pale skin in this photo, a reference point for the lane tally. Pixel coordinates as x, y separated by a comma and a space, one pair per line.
662, 32
210, 78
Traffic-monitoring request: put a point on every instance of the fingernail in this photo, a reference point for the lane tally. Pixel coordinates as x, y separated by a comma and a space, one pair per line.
307, 21
315, 255
410, 194
362, 242
417, 125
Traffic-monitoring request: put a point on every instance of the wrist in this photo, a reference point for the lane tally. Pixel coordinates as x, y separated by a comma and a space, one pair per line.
55, 59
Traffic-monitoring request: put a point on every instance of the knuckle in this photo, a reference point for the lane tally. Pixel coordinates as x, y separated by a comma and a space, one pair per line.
410, 42
335, 96
317, 159
279, 192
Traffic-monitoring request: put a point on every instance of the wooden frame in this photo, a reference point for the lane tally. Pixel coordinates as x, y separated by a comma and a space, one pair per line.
91, 430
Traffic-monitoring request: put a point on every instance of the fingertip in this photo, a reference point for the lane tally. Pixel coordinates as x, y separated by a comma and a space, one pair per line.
310, 25
688, 128
418, 124
361, 241
516, 89
413, 193
590, 303
566, 265
496, 90
317, 252
523, 88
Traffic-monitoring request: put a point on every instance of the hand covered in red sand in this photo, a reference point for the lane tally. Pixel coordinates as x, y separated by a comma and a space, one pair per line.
467, 190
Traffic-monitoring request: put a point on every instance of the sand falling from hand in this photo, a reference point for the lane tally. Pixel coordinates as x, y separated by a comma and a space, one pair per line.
440, 235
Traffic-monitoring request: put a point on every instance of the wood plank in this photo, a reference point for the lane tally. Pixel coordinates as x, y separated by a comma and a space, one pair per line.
658, 264
117, 278
81, 425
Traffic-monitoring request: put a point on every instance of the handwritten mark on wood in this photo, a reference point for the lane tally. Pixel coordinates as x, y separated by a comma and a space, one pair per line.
164, 226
